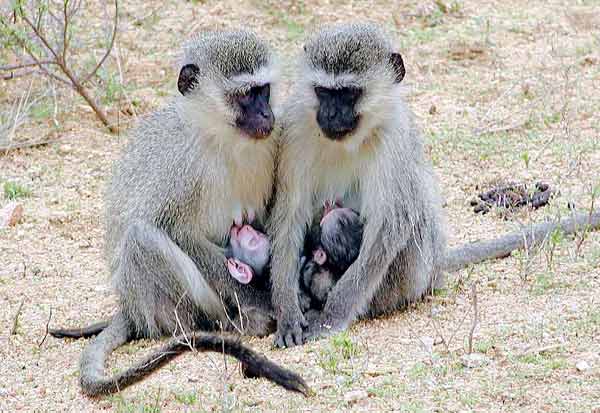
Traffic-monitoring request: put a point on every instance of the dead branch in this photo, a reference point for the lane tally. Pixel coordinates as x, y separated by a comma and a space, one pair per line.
475, 316
109, 48
581, 237
47, 328
56, 54
15, 325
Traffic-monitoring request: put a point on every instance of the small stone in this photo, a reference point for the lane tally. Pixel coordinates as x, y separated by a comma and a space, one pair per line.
427, 343
11, 214
355, 395
582, 365
473, 360
65, 149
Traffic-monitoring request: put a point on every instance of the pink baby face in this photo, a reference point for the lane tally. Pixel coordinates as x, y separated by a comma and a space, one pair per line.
248, 239
250, 250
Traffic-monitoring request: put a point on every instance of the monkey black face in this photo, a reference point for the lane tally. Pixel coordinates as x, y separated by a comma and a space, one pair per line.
256, 117
336, 115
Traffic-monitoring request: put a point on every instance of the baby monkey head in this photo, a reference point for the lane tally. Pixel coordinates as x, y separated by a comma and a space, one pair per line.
250, 252
226, 82
341, 238
351, 68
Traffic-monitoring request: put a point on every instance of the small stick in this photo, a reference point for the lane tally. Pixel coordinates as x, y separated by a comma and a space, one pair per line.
475, 317
47, 325
15, 326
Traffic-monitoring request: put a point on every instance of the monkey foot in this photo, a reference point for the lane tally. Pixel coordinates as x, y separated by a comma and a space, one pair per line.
289, 334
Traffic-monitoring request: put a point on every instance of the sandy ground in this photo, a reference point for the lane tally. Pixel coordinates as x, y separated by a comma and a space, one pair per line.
503, 91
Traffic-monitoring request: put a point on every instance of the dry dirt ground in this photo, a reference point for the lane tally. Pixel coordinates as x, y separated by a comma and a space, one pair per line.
503, 91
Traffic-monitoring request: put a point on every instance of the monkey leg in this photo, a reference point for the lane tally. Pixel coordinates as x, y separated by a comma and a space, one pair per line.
248, 309
408, 279
160, 288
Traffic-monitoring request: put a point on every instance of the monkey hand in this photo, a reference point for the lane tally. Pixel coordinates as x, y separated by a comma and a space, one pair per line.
289, 329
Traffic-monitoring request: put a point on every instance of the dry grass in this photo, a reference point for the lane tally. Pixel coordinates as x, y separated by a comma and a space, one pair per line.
528, 71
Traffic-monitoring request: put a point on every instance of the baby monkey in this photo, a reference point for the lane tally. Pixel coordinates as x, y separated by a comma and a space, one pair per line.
333, 245
248, 254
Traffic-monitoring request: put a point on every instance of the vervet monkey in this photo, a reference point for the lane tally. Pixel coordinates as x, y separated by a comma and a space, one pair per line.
349, 135
190, 169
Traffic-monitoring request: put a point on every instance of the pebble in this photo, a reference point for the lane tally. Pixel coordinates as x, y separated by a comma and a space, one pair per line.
427, 343
474, 360
355, 395
11, 214
582, 365
65, 149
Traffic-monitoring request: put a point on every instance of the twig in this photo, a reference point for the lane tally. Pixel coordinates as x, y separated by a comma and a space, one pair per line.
110, 46
475, 316
540, 350
58, 54
10, 68
584, 232
15, 325
47, 326
28, 144
497, 129
228, 317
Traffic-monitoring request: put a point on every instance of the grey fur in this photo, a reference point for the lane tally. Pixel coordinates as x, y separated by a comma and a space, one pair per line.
380, 171
186, 173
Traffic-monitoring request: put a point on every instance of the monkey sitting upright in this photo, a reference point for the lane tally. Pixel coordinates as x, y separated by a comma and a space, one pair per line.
334, 244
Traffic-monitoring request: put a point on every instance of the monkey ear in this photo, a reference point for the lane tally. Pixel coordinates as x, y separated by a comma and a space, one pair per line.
398, 65
187, 78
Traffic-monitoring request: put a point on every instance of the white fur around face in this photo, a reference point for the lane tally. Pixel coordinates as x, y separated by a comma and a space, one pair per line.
239, 170
375, 107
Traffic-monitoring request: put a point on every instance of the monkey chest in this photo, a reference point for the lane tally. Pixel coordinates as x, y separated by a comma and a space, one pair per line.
342, 191
239, 195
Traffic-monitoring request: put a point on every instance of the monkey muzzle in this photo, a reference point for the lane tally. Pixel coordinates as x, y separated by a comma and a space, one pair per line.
336, 115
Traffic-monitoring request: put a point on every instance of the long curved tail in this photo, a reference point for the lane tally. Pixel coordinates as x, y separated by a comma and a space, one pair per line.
94, 382
79, 332
91, 366
476, 252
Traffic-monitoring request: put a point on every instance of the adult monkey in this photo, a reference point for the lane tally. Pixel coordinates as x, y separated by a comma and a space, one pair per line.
349, 136
189, 171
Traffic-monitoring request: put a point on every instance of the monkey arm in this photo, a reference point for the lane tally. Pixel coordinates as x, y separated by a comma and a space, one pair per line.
287, 229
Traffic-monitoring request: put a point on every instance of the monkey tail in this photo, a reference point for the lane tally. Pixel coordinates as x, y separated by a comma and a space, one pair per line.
94, 382
81, 332
91, 366
476, 252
